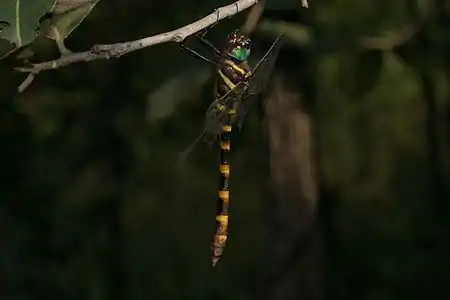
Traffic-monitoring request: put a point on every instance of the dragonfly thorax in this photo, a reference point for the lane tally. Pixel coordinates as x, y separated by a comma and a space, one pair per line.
232, 73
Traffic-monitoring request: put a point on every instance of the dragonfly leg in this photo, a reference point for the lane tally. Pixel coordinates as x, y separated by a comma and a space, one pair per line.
195, 53
201, 36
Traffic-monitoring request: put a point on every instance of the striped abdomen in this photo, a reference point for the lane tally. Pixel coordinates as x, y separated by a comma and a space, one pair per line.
221, 233
230, 74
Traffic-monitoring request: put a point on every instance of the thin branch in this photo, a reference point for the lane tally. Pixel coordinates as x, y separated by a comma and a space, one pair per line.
26, 83
301, 35
116, 50
391, 41
253, 17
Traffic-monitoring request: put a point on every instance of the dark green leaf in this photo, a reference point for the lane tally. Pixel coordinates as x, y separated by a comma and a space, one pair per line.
65, 17
5, 48
20, 18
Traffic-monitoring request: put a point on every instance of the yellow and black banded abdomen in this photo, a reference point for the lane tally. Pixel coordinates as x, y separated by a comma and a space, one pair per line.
221, 232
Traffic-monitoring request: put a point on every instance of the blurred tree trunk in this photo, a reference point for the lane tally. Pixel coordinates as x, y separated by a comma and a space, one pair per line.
294, 263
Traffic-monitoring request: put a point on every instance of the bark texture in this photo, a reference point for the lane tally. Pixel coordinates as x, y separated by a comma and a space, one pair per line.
294, 262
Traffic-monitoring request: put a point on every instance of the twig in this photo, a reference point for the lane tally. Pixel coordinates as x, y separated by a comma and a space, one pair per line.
388, 43
26, 83
116, 50
253, 17
301, 35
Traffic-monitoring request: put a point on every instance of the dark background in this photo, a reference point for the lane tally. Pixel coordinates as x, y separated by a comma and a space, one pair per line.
95, 203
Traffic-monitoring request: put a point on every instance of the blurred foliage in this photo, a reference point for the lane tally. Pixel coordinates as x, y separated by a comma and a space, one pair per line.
97, 205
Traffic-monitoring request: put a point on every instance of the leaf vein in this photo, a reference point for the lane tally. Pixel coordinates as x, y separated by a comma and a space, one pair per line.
18, 34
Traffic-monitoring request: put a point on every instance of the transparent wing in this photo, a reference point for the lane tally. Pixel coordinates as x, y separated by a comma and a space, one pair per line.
260, 79
216, 116
264, 68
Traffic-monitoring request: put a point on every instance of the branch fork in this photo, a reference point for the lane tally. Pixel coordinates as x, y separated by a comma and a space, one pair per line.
108, 51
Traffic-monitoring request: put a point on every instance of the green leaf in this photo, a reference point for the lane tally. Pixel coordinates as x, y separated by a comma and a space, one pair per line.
65, 18
5, 48
19, 19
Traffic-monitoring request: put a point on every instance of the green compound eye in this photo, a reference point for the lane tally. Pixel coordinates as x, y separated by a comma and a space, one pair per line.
241, 53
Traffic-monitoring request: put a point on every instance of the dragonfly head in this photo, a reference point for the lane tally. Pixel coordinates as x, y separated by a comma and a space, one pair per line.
238, 46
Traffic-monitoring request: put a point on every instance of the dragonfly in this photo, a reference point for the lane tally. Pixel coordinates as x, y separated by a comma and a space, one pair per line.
237, 86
